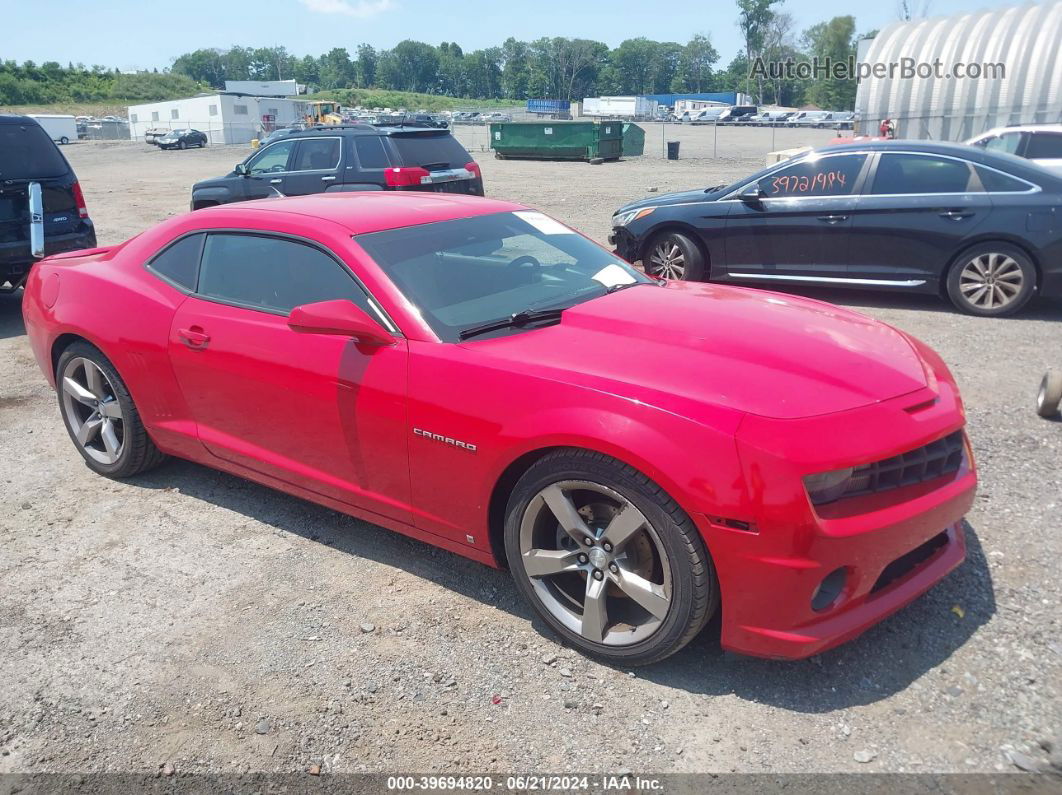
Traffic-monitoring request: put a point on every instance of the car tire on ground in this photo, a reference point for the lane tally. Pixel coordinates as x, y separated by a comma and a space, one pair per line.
64, 140
674, 255
182, 145
1050, 394
991, 280
607, 559
100, 416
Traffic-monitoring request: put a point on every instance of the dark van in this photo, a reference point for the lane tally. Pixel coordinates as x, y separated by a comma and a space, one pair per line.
34, 172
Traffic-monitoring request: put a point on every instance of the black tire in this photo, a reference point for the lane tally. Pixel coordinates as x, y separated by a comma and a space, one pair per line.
693, 265
1050, 394
963, 288
138, 453
182, 145
64, 140
694, 590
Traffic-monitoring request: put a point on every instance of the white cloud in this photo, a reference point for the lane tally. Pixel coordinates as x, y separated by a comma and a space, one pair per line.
349, 8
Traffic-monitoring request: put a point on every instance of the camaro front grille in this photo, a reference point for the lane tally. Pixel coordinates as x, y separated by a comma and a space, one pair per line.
941, 457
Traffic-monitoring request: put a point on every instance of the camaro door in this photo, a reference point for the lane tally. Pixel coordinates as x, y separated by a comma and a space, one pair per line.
319, 411
797, 228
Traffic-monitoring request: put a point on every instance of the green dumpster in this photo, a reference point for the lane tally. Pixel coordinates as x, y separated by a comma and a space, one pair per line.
558, 140
633, 140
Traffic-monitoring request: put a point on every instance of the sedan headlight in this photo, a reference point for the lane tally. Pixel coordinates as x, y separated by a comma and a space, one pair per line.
624, 218
828, 486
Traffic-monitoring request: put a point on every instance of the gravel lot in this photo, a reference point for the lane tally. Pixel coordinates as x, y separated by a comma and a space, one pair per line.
191, 619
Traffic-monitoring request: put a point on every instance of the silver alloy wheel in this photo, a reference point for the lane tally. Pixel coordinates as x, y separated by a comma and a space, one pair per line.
991, 280
667, 260
92, 410
595, 562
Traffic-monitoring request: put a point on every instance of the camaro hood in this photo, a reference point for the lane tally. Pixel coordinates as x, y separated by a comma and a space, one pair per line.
753, 351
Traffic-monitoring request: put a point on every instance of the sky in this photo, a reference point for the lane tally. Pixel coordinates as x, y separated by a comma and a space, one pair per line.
138, 34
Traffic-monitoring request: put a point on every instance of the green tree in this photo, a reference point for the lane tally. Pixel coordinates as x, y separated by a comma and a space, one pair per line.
694, 73
835, 40
365, 66
753, 18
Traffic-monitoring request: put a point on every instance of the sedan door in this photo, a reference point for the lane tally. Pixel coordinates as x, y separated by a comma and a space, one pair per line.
798, 229
318, 411
914, 218
314, 167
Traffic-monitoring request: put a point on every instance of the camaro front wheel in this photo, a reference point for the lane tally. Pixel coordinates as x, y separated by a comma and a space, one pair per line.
607, 558
100, 415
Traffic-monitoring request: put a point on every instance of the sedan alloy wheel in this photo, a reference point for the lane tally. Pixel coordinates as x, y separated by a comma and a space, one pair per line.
991, 281
667, 261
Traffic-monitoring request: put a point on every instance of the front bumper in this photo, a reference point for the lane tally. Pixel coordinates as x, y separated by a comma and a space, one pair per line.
892, 546
625, 245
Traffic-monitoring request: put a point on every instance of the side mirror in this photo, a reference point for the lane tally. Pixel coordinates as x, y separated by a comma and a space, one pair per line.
241, 170
752, 195
339, 318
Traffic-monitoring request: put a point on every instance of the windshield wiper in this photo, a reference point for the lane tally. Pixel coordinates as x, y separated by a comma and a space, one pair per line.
516, 320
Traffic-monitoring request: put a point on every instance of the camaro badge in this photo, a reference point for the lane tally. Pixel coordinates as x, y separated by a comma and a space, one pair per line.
438, 437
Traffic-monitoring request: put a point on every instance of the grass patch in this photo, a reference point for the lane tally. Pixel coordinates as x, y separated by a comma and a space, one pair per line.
114, 107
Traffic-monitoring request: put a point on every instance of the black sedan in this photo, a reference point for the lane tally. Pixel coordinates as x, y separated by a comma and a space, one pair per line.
983, 228
182, 139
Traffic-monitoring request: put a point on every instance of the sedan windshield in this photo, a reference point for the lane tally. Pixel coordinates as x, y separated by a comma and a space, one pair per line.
472, 272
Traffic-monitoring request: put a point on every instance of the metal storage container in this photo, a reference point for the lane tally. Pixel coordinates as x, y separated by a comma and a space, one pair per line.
633, 140
558, 140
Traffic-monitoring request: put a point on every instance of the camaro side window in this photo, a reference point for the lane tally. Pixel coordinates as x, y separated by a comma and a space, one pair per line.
900, 173
273, 158
180, 262
273, 274
826, 176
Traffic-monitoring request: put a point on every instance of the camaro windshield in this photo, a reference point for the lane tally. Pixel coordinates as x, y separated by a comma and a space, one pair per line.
473, 271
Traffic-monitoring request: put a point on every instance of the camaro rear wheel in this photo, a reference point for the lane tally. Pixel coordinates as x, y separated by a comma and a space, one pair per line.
607, 558
673, 255
991, 280
100, 416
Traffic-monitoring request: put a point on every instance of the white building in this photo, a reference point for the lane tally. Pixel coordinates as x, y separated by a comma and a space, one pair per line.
263, 88
225, 118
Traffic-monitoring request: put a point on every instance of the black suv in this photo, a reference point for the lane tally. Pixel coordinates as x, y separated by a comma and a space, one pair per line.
347, 157
31, 165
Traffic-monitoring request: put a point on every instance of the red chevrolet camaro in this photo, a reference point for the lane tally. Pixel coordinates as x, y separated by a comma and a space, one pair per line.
477, 375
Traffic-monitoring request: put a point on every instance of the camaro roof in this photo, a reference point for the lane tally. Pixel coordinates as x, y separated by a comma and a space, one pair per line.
372, 211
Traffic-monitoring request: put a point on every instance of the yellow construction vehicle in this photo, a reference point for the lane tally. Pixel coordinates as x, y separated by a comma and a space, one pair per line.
321, 112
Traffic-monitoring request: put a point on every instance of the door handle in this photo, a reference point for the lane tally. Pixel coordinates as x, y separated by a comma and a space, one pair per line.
833, 219
275, 181
956, 215
328, 179
194, 337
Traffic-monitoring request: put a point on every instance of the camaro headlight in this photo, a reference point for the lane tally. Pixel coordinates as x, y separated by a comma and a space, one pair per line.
828, 486
624, 218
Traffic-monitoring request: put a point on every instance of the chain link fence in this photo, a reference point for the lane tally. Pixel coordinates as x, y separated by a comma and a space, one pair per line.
696, 141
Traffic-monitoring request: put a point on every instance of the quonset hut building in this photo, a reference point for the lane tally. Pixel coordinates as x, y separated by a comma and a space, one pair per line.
1026, 39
